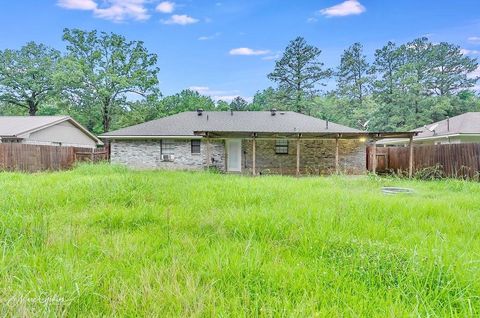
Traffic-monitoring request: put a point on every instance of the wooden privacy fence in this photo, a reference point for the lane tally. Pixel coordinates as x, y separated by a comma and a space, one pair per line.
455, 160
31, 158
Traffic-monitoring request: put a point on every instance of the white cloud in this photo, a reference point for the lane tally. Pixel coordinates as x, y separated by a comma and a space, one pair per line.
275, 56
349, 7
77, 4
182, 19
248, 51
209, 37
469, 52
312, 20
114, 10
474, 39
217, 95
165, 7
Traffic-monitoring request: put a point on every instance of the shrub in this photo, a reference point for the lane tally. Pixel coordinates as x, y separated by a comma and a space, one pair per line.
430, 173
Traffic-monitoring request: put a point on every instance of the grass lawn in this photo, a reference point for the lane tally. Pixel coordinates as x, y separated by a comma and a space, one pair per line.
105, 241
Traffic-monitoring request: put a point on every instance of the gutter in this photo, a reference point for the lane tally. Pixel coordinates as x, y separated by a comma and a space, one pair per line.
128, 137
399, 141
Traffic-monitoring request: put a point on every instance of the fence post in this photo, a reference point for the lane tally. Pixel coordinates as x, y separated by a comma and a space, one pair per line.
410, 157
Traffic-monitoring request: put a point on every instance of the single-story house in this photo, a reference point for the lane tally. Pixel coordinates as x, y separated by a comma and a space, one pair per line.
464, 128
243, 142
46, 130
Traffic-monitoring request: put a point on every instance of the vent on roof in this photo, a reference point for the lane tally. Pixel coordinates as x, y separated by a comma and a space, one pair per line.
273, 111
199, 112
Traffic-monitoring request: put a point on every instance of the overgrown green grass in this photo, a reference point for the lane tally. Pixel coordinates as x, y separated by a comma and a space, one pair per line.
105, 241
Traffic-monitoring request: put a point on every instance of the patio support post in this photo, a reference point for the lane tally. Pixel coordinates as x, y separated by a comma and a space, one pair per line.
337, 168
298, 156
253, 155
410, 157
374, 155
208, 152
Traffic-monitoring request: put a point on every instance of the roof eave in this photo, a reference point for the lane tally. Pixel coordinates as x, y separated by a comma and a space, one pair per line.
142, 137
304, 135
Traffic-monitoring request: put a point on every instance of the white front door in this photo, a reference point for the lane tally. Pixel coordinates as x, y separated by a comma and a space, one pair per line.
234, 155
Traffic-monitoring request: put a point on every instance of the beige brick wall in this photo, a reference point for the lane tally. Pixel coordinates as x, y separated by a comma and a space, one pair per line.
316, 157
146, 154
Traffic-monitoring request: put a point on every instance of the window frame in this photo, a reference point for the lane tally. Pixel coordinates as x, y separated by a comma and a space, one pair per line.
192, 146
167, 147
281, 146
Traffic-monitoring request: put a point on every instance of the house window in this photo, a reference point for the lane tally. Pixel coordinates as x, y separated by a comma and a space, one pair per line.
195, 146
281, 147
167, 147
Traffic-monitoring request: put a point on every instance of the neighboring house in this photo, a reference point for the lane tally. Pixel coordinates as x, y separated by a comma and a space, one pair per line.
463, 128
245, 142
46, 130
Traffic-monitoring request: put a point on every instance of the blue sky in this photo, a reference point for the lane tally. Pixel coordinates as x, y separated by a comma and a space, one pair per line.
226, 48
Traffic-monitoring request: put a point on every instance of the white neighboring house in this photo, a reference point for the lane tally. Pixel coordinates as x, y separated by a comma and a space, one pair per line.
464, 128
46, 130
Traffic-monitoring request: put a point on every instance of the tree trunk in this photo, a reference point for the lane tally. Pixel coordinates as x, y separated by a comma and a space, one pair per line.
299, 98
32, 107
106, 115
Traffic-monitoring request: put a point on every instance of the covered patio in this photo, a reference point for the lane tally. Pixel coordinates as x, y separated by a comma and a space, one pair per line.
300, 138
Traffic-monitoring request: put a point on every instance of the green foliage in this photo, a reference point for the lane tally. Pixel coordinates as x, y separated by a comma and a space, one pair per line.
239, 104
298, 73
266, 99
222, 105
102, 72
415, 84
354, 83
186, 100
138, 112
353, 78
108, 82
106, 241
26, 76
450, 69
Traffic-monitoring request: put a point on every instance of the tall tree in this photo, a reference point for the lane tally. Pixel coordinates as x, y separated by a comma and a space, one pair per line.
414, 77
239, 104
391, 111
354, 84
451, 69
299, 72
388, 61
354, 81
26, 76
106, 70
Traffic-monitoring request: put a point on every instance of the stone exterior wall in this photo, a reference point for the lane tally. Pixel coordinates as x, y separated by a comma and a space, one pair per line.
316, 157
146, 154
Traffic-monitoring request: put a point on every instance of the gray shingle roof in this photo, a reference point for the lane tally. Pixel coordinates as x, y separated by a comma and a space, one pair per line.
13, 126
186, 123
468, 123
